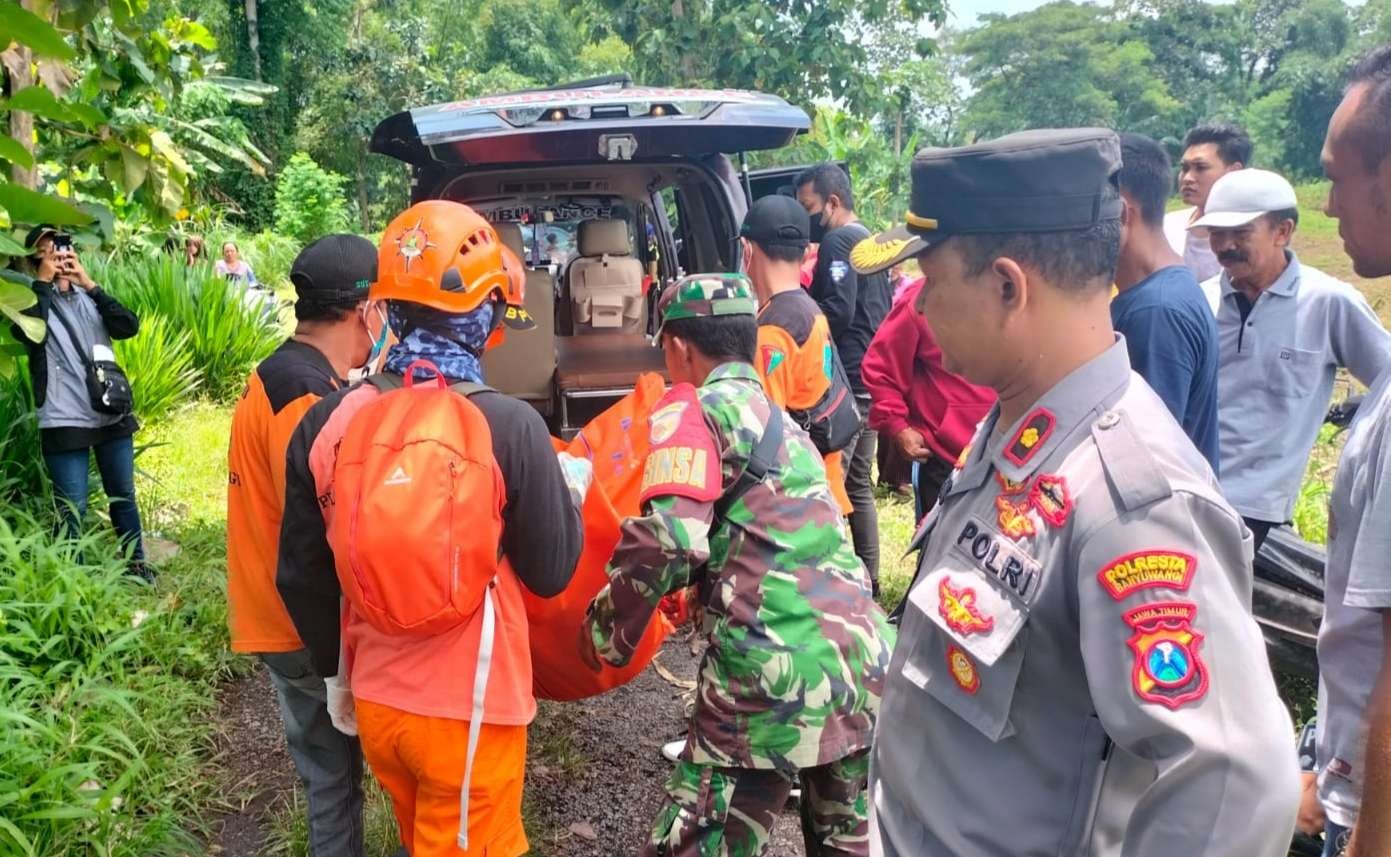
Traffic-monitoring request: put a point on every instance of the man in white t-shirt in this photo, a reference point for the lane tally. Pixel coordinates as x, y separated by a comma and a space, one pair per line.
1353, 772
1209, 152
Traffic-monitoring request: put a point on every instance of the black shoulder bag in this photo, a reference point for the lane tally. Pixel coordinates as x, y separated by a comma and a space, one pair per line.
761, 460
107, 385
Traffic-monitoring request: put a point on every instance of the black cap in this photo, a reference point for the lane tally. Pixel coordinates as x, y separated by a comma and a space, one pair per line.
31, 241
1050, 180
777, 220
335, 270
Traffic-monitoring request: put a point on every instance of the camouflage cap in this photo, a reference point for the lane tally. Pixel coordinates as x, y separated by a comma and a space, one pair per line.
704, 296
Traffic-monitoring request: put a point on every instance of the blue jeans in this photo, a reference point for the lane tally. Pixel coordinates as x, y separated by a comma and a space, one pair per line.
116, 463
1335, 839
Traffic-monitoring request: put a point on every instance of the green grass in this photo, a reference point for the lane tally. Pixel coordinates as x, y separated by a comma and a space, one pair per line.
182, 470
290, 828
896, 528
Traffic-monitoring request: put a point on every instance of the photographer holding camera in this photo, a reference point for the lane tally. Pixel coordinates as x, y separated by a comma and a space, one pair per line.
83, 397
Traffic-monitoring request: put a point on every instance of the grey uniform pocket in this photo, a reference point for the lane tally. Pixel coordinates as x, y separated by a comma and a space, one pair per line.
1293, 372
972, 648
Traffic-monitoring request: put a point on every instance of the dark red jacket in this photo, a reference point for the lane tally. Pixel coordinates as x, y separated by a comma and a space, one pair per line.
909, 388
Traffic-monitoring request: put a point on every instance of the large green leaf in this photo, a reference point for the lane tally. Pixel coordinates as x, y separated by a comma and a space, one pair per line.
163, 144
11, 247
102, 218
14, 299
203, 137
134, 168
20, 25
125, 15
27, 206
13, 151
241, 84
40, 102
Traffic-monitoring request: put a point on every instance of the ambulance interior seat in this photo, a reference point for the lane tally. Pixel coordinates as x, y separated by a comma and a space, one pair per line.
605, 280
524, 364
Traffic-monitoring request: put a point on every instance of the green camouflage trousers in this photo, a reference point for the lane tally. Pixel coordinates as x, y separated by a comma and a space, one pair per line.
729, 812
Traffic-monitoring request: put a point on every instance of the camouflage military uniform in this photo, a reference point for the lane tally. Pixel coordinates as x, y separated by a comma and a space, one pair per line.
790, 683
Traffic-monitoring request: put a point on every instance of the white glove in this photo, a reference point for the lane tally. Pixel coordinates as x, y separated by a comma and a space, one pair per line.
579, 474
341, 710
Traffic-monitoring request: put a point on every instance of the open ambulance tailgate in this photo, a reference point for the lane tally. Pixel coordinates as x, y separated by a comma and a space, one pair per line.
589, 124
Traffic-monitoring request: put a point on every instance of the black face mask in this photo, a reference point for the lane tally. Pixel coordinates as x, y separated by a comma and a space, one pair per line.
818, 228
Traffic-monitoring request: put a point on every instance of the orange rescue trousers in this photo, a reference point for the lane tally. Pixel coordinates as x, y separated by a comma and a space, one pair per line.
420, 762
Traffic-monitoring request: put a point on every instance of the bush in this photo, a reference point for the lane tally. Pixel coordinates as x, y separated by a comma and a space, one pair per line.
309, 200
228, 337
159, 363
270, 255
21, 463
106, 717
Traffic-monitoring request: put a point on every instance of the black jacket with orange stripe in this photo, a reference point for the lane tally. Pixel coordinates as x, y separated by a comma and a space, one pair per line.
277, 395
794, 360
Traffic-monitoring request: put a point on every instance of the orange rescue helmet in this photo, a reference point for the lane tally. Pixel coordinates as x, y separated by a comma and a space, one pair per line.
446, 256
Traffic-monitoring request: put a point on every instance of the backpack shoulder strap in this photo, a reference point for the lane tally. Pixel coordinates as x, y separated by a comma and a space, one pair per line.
761, 460
468, 389
386, 382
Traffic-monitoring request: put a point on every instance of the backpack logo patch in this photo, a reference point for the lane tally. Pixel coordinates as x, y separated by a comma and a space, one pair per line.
398, 477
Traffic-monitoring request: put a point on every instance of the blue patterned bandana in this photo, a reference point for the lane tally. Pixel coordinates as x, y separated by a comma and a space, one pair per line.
451, 342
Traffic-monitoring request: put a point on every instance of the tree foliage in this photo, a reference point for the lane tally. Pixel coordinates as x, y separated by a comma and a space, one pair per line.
98, 100
308, 200
1154, 66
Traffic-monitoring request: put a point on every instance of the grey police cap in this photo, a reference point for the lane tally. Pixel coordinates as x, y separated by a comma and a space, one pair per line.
1049, 180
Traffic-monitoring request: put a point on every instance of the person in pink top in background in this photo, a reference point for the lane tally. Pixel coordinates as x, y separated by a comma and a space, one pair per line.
930, 414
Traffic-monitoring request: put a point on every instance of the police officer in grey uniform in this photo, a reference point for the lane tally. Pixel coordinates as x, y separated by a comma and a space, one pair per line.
1077, 671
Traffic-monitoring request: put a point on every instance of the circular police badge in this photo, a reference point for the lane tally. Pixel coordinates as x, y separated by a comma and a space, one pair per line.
963, 671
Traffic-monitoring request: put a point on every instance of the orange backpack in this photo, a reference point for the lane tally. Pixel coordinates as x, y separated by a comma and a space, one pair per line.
419, 498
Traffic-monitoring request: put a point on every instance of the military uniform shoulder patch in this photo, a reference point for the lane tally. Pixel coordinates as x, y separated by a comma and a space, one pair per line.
684, 459
1147, 569
1035, 429
1168, 669
963, 669
1050, 498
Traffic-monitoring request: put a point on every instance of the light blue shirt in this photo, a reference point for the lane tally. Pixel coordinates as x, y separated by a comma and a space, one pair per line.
1357, 592
1275, 378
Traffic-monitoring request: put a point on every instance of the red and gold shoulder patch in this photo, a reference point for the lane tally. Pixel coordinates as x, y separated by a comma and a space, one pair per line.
1009, 486
962, 458
1014, 517
1168, 669
958, 608
1050, 498
1035, 429
1148, 569
963, 669
684, 459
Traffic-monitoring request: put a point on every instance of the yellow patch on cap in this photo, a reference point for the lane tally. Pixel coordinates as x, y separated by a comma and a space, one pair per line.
871, 253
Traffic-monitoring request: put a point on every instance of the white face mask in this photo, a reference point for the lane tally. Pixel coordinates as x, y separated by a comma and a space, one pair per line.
374, 357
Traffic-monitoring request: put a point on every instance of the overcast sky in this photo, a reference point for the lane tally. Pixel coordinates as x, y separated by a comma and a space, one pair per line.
963, 12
